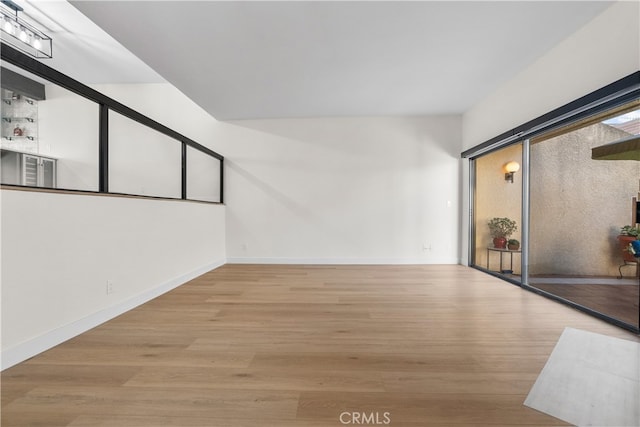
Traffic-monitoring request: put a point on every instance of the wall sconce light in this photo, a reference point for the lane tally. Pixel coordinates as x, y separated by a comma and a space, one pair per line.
511, 168
21, 34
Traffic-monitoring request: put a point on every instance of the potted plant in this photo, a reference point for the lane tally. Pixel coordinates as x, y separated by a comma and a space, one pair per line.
513, 245
628, 234
629, 230
500, 229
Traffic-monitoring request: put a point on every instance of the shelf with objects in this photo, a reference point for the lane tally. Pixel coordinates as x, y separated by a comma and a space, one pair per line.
628, 235
19, 122
21, 162
503, 251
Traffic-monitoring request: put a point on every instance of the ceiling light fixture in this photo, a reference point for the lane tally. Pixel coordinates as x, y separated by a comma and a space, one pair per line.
22, 35
8, 26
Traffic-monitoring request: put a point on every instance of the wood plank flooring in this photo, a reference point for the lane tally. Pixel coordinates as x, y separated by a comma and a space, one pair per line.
285, 346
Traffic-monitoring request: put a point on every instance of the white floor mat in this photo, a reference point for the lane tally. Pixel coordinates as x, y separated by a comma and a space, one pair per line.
590, 380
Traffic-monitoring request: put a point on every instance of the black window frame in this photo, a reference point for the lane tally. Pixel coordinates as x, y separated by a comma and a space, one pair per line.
106, 104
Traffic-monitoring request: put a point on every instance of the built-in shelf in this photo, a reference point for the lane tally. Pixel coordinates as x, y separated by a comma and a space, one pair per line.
19, 119
9, 101
16, 137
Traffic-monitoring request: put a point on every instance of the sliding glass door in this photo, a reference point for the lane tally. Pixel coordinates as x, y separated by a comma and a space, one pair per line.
578, 206
574, 204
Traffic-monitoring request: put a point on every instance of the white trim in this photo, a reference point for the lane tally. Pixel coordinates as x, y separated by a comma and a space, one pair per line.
34, 346
343, 261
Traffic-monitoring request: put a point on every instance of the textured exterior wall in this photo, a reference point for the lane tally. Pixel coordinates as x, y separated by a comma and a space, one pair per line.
579, 204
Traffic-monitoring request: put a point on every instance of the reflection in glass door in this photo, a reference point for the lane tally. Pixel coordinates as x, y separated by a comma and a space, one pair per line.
498, 212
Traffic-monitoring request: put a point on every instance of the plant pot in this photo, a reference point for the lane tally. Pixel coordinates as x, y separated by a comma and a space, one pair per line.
513, 247
500, 242
624, 241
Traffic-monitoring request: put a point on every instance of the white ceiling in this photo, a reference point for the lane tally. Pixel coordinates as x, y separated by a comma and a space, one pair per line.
243, 60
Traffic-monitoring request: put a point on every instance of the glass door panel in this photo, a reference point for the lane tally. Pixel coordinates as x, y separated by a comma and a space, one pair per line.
498, 212
577, 208
48, 173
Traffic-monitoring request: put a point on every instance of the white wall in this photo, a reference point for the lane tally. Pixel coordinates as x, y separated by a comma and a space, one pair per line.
59, 250
603, 51
327, 189
343, 190
142, 160
203, 176
68, 130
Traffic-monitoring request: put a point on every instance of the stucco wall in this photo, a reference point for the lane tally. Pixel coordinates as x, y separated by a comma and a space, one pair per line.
578, 204
496, 197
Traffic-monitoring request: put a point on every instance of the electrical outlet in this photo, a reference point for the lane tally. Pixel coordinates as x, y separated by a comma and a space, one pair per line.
426, 247
109, 287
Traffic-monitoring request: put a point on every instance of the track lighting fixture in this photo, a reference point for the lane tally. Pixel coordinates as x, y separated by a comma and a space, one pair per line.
22, 35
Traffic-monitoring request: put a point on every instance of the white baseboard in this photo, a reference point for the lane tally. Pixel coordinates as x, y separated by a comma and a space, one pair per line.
343, 261
32, 347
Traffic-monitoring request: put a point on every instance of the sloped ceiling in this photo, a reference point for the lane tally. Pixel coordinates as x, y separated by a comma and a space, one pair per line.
244, 60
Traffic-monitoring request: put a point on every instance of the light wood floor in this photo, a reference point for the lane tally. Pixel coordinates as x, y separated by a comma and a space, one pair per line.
288, 346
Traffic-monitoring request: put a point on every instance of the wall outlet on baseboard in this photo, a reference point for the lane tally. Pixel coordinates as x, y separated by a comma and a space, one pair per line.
426, 247
109, 287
